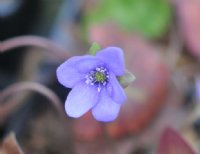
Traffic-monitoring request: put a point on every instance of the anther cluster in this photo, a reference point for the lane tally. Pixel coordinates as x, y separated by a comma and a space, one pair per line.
99, 77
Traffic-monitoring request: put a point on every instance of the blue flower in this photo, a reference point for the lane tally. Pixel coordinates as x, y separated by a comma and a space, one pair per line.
94, 84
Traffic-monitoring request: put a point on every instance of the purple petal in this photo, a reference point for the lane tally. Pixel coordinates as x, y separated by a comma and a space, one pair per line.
67, 74
115, 90
114, 58
88, 63
81, 99
106, 110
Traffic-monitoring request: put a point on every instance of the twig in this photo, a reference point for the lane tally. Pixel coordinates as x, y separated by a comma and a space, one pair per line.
175, 46
29, 86
37, 41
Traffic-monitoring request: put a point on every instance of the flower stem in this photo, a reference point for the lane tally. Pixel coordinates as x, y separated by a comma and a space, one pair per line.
109, 141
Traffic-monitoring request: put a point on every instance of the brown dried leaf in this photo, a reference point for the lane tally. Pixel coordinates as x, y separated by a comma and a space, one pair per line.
147, 92
10, 145
86, 128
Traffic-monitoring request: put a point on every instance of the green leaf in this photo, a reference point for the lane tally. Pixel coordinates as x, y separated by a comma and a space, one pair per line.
95, 47
126, 79
148, 17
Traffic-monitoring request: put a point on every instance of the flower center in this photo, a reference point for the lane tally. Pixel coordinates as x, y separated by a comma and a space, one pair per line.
99, 77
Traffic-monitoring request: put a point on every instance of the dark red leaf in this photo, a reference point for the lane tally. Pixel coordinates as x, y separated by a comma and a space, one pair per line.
172, 143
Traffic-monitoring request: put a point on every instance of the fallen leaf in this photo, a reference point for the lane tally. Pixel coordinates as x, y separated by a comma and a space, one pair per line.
147, 92
10, 145
172, 143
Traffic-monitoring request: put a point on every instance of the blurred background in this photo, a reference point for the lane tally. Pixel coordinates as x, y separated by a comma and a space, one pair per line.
161, 41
